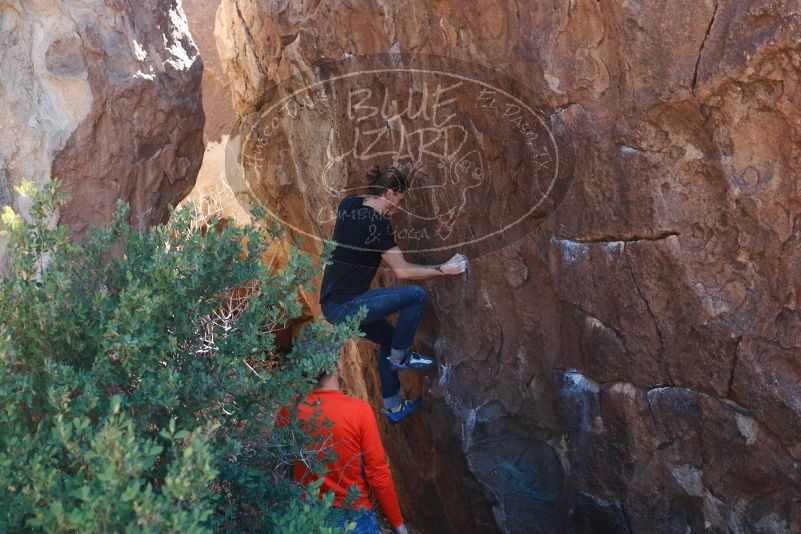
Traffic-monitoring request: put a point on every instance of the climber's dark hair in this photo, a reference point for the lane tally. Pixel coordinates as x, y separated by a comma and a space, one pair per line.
379, 180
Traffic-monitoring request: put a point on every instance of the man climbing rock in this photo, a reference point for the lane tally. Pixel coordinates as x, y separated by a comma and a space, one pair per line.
364, 237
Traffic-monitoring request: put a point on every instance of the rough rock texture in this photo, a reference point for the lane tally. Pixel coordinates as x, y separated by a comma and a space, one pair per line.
220, 116
219, 189
105, 96
631, 363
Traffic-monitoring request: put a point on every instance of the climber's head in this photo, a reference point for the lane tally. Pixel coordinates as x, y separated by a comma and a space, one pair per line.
390, 183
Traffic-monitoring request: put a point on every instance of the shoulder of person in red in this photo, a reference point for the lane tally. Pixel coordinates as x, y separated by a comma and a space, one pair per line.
323, 403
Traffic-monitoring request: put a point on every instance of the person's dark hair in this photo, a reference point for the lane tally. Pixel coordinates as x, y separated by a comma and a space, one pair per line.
379, 180
325, 374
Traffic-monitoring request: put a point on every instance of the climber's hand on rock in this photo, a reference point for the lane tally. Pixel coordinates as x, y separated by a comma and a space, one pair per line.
456, 265
401, 529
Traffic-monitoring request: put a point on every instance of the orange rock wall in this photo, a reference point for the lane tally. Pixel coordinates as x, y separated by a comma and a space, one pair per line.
628, 364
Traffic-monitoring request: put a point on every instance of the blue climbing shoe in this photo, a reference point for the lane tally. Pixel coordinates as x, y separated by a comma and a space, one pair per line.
413, 362
407, 406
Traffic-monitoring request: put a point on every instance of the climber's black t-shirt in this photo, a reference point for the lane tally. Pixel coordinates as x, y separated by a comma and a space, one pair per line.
362, 235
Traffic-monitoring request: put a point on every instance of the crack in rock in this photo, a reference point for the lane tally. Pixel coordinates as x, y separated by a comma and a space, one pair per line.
701, 49
633, 238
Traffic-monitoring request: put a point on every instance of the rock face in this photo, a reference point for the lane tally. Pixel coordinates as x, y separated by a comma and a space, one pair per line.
219, 187
105, 96
220, 116
628, 363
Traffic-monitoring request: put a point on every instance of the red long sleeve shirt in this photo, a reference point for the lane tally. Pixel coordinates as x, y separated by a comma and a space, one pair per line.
357, 445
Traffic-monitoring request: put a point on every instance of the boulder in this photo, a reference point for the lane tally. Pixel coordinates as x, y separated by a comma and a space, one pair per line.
620, 356
219, 189
105, 96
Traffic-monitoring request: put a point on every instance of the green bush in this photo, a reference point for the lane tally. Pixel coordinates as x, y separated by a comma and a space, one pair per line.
138, 386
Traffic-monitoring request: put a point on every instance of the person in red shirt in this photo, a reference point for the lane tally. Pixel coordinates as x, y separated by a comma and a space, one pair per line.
360, 456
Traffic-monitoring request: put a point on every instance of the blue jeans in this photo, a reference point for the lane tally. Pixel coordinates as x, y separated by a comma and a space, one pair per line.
365, 520
409, 301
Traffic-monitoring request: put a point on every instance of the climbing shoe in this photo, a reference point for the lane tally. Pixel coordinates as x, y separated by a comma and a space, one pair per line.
412, 362
406, 407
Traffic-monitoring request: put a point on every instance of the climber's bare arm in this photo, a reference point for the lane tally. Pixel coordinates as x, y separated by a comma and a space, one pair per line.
404, 270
